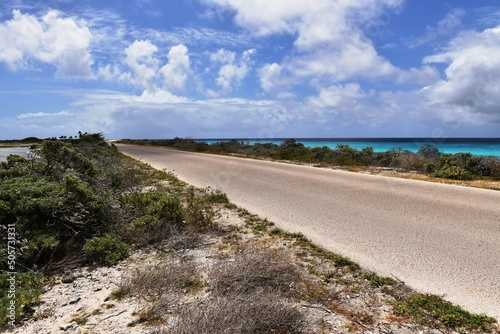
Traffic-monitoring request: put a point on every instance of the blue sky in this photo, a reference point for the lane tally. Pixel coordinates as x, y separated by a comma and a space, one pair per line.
250, 68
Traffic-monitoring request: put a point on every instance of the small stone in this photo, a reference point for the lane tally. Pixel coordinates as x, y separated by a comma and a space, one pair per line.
68, 277
74, 300
66, 327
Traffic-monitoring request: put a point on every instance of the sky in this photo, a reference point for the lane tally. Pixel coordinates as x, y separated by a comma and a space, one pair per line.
250, 68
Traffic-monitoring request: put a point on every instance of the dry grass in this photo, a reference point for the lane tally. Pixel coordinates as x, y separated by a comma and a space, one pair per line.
263, 313
152, 282
254, 269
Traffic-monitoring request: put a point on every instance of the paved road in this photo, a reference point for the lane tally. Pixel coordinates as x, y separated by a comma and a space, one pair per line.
438, 238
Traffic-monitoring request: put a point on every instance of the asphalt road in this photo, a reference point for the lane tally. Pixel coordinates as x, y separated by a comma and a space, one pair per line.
437, 238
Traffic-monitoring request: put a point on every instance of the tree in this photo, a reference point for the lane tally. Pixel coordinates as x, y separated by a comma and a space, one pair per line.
429, 151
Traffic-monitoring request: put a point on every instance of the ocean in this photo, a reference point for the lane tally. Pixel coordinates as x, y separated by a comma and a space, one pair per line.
475, 146
19, 150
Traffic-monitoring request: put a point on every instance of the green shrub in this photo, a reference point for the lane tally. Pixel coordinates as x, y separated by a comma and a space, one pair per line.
347, 156
61, 200
460, 166
291, 150
158, 205
150, 217
453, 172
60, 156
106, 250
200, 211
32, 202
24, 289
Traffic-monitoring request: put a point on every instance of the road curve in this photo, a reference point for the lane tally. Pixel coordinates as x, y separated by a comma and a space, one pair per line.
438, 238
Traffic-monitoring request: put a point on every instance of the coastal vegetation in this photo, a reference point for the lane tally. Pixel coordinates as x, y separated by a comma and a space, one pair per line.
212, 267
428, 160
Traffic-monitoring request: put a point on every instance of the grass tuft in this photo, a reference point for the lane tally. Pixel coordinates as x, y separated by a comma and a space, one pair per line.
377, 281
432, 310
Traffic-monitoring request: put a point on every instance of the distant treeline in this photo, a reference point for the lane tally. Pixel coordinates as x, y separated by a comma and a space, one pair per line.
428, 160
29, 140
35, 140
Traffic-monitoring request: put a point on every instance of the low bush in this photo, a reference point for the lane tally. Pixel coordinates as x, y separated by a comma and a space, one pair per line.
106, 250
23, 289
201, 207
453, 172
150, 216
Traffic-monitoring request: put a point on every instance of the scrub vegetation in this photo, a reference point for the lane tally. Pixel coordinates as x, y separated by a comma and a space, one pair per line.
79, 202
428, 160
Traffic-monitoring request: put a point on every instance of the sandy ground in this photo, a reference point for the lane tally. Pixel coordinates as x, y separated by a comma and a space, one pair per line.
438, 238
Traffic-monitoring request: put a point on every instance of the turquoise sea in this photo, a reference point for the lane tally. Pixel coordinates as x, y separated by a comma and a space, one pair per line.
476, 146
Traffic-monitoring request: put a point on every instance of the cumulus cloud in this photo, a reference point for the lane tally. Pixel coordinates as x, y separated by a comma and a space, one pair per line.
142, 67
175, 73
339, 96
349, 104
329, 34
270, 76
139, 58
26, 40
471, 85
232, 70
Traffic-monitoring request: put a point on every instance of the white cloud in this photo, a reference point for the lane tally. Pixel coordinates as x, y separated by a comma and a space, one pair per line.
339, 96
471, 86
329, 39
43, 114
140, 59
270, 75
232, 71
160, 113
141, 67
176, 72
449, 25
424, 75
51, 39
223, 56
349, 104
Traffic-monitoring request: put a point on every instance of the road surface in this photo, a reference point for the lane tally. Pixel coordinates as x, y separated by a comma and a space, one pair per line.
437, 238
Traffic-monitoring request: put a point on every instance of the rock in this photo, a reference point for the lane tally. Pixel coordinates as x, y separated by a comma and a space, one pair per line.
66, 327
68, 277
74, 300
